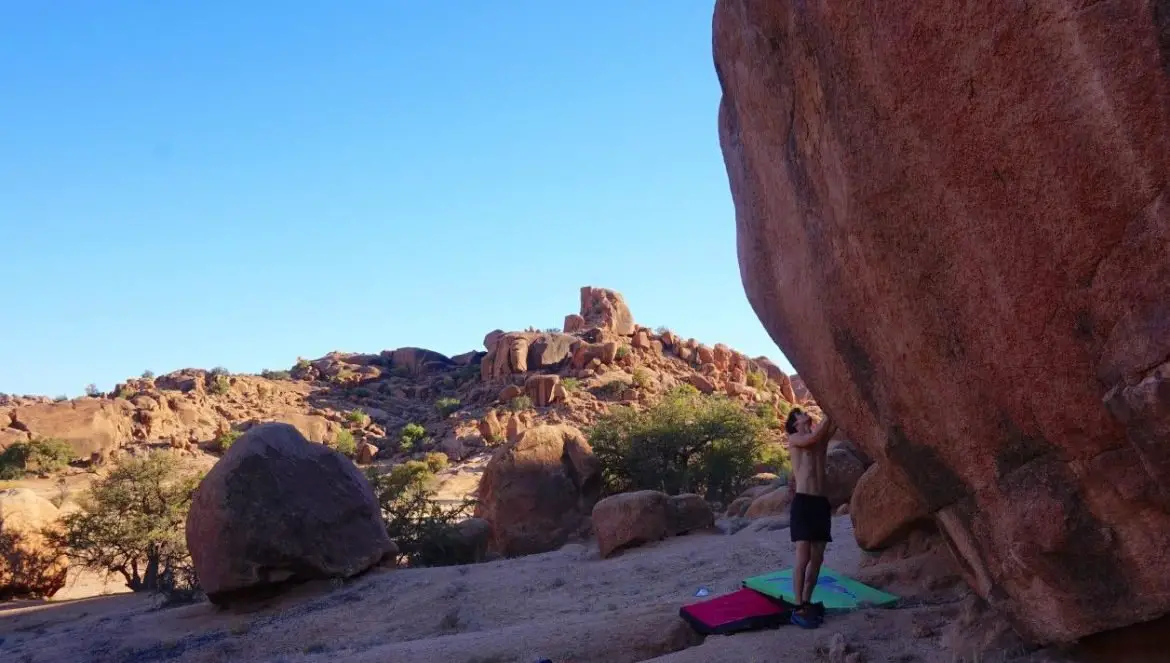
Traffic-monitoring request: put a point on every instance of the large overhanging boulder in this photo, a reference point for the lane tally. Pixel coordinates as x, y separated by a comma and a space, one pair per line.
954, 220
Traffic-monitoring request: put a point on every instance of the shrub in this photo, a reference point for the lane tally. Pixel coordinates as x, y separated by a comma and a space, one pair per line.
520, 404
685, 443
400, 371
275, 375
345, 443
225, 440
125, 392
40, 456
92, 391
220, 385
768, 418
147, 374
613, 389
782, 410
424, 530
661, 329
301, 365
218, 371
412, 434
61, 398
447, 405
571, 384
358, 418
132, 522
622, 352
436, 460
642, 378
757, 379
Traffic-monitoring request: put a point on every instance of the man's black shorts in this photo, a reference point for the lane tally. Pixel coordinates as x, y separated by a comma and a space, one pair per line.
811, 518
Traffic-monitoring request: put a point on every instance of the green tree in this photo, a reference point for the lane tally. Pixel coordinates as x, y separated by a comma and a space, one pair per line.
40, 456
132, 522
687, 442
423, 528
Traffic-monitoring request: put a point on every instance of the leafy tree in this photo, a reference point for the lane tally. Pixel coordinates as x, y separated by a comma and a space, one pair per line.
40, 456
423, 528
132, 522
687, 442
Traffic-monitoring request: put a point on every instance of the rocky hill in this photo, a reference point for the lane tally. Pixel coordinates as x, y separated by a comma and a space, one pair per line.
465, 403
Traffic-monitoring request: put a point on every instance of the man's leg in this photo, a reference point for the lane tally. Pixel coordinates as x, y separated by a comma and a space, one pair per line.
813, 570
803, 554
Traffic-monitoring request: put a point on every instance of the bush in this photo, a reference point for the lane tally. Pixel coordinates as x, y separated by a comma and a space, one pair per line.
571, 384
613, 389
92, 391
757, 379
301, 365
685, 443
220, 385
147, 374
400, 372
447, 405
520, 404
61, 398
437, 461
783, 409
424, 530
768, 418
125, 392
358, 418
132, 522
218, 371
40, 456
622, 352
225, 441
345, 443
642, 378
411, 435
275, 375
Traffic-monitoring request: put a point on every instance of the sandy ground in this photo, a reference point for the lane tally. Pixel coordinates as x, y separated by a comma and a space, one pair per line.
566, 606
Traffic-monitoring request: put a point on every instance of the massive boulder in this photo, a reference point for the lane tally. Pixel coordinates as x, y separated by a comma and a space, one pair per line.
89, 425
276, 508
30, 566
538, 490
954, 220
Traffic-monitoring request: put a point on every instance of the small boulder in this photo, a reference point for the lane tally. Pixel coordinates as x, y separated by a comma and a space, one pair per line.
277, 507
365, 453
882, 510
490, 427
541, 388
538, 491
630, 519
574, 323
772, 503
842, 471
550, 351
688, 513
510, 392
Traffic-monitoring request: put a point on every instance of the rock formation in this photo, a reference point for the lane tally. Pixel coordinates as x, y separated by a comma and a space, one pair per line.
954, 221
277, 507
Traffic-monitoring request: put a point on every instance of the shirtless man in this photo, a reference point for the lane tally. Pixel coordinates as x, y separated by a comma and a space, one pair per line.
811, 514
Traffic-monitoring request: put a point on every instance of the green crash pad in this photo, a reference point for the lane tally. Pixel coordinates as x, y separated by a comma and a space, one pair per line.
834, 590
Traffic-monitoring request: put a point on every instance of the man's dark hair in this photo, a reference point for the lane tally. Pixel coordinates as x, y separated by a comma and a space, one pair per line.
790, 422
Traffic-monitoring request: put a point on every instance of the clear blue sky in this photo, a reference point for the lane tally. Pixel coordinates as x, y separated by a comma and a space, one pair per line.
239, 184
